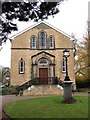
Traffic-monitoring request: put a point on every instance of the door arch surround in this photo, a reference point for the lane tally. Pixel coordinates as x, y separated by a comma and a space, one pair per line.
46, 62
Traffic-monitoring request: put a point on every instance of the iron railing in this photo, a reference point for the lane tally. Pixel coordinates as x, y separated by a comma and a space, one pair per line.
38, 81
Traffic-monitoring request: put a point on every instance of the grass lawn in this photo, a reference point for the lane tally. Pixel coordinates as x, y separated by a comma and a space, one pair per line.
48, 107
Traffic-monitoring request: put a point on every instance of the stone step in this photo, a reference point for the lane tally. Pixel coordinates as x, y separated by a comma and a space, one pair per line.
44, 90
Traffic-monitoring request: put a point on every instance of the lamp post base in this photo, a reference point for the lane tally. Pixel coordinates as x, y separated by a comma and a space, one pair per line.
67, 98
67, 89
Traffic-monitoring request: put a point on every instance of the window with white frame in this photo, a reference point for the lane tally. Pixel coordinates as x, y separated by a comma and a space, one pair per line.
33, 39
42, 40
63, 66
21, 66
51, 42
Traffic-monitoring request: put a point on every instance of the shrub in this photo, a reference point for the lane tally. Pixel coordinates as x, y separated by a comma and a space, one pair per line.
13, 89
6, 90
82, 84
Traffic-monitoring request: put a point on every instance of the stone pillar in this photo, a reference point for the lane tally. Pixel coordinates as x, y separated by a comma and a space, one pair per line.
67, 97
67, 89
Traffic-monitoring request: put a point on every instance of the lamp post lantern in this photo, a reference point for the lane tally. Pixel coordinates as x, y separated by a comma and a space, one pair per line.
66, 55
67, 98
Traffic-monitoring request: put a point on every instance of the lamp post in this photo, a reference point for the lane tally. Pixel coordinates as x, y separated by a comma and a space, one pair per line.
66, 55
67, 98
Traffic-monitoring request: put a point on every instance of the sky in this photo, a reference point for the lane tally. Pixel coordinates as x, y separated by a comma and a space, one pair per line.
72, 18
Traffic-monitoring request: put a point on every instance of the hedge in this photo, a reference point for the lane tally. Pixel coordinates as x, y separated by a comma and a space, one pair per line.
7, 90
82, 84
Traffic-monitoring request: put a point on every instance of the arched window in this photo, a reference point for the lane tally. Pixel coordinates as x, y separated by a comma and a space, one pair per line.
63, 66
51, 42
21, 66
42, 40
43, 62
33, 41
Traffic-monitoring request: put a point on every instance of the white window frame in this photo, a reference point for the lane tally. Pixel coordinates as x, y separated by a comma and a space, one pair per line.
51, 41
63, 66
42, 40
21, 67
33, 42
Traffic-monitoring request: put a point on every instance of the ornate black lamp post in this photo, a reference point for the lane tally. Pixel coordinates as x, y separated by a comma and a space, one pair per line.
66, 55
67, 98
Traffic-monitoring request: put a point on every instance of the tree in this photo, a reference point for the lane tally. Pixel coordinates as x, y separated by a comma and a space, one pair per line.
82, 61
24, 11
74, 43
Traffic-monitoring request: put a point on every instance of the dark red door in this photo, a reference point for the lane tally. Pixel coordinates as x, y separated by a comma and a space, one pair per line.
43, 75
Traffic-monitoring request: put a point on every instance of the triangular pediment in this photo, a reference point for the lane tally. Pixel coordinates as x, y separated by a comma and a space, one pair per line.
43, 53
42, 25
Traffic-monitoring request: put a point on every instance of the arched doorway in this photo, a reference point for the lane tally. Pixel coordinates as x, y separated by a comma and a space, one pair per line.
43, 71
44, 67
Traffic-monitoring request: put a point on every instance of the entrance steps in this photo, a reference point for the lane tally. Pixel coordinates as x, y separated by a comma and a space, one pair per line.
35, 90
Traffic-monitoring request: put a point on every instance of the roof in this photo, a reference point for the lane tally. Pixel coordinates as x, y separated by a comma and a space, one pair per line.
38, 23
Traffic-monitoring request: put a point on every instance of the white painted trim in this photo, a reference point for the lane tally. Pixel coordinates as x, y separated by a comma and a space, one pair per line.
39, 24
72, 39
68, 81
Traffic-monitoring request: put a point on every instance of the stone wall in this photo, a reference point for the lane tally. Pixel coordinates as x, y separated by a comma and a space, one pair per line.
44, 90
21, 49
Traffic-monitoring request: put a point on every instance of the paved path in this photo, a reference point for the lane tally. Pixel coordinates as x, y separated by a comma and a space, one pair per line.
81, 94
12, 98
8, 99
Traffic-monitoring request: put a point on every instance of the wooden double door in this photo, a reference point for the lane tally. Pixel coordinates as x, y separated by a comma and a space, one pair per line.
43, 76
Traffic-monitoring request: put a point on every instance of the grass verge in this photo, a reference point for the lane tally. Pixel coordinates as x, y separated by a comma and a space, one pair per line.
49, 107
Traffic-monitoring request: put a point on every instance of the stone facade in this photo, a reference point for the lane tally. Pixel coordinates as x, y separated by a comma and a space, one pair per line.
44, 90
22, 48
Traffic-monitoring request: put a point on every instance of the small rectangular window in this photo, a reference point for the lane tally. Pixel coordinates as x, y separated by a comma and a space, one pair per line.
21, 66
33, 42
63, 66
51, 42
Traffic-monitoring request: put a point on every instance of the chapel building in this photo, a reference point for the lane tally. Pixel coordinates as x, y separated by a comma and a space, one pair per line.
37, 52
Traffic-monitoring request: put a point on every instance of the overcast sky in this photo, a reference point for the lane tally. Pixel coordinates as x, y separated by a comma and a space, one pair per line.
72, 18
